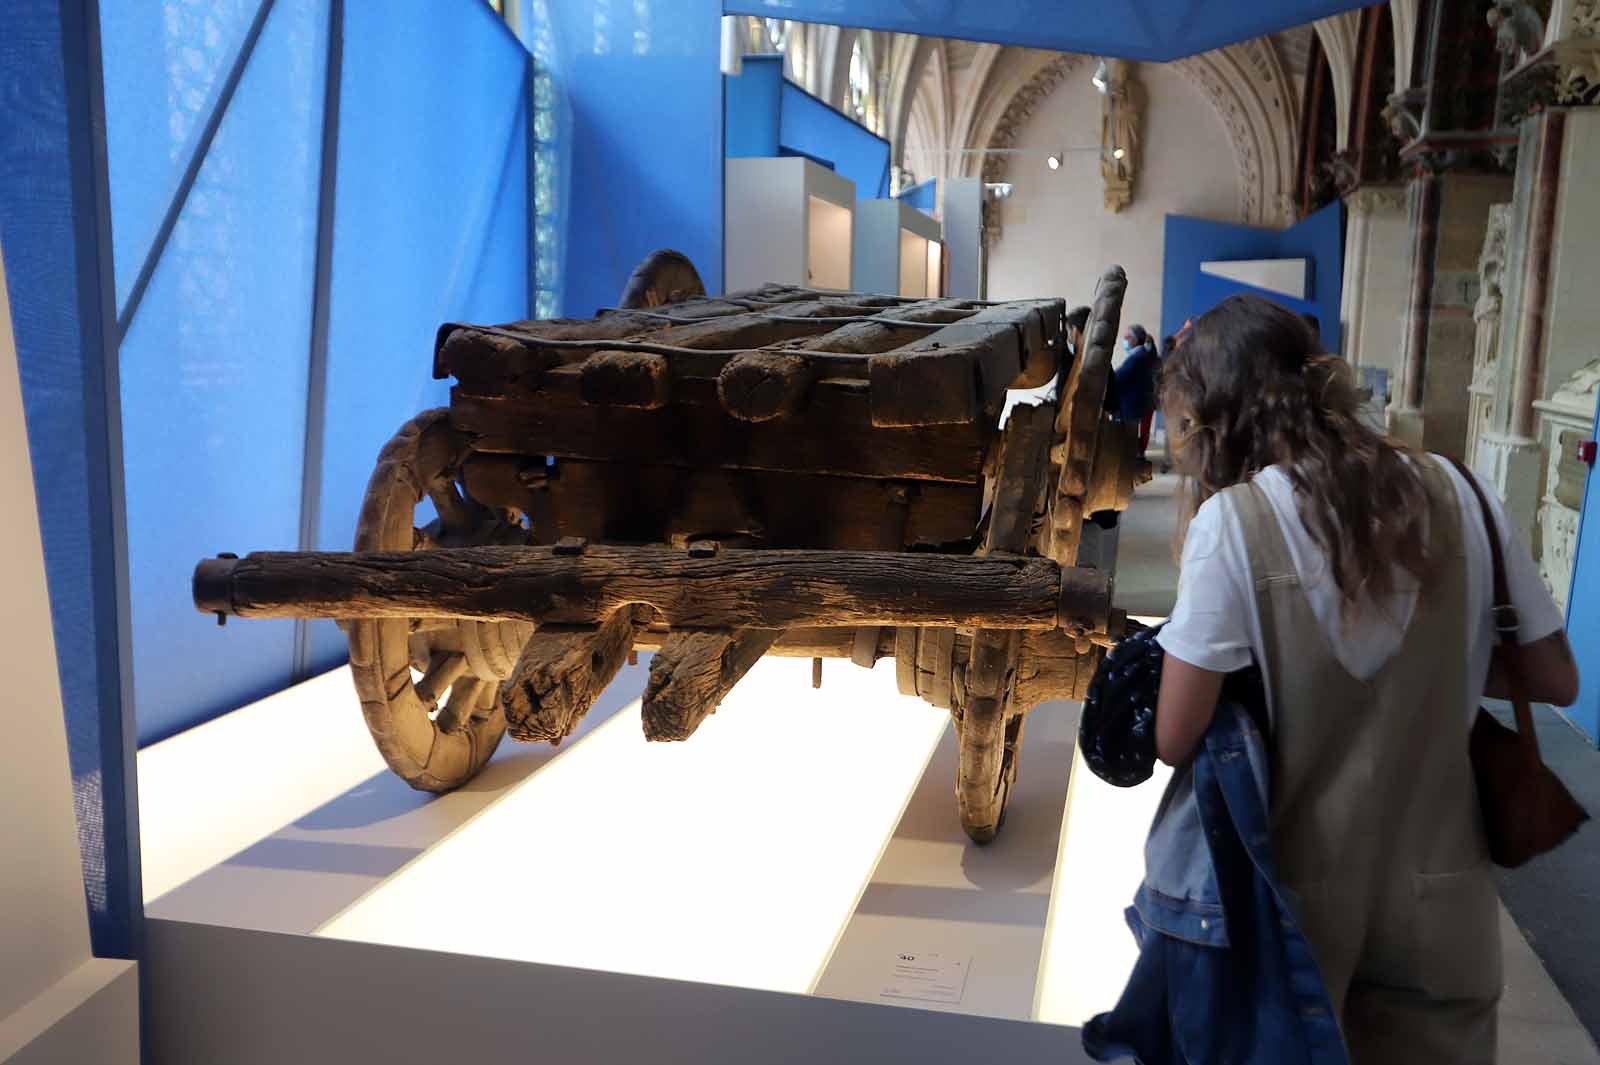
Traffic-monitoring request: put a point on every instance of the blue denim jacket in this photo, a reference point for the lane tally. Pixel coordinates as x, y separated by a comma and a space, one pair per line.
1225, 976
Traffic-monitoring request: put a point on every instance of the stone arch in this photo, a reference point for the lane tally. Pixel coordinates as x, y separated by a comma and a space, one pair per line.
1251, 93
998, 134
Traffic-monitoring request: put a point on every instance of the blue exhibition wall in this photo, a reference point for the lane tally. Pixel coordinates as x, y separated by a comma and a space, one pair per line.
1153, 30
627, 142
1319, 239
767, 116
1210, 290
431, 225
924, 197
1583, 610
230, 236
54, 214
301, 191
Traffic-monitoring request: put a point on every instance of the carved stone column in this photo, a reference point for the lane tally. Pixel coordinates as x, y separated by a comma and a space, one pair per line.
1377, 280
1486, 313
1449, 215
1564, 419
1405, 410
1551, 317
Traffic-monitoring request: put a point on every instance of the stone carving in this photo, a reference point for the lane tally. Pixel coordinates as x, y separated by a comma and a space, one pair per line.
1584, 19
1578, 392
1247, 153
1486, 313
1518, 29
1403, 113
1491, 294
1119, 135
1569, 410
1376, 199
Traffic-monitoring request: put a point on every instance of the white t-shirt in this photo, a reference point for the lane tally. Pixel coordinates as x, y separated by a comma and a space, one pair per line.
1215, 624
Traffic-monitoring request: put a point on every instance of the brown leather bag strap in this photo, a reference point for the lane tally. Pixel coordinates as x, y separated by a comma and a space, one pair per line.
1507, 623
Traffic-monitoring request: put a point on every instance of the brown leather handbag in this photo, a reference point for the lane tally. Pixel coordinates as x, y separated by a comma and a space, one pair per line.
1526, 809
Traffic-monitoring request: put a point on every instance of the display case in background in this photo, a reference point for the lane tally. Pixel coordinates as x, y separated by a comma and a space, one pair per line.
789, 221
898, 249
962, 217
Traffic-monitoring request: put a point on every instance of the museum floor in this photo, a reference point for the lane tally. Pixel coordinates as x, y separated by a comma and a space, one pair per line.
676, 861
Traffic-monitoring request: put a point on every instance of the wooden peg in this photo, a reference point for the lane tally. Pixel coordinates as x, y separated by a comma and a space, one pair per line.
816, 672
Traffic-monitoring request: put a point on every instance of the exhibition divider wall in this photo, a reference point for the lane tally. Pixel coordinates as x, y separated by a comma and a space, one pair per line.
770, 116
1318, 239
230, 235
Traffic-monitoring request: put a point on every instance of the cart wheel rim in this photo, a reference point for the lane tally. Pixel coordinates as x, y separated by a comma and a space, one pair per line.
430, 690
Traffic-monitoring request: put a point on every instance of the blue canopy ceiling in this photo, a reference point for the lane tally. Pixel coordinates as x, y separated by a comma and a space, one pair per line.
1152, 30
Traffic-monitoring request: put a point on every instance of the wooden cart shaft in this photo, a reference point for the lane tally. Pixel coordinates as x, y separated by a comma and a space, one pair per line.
722, 589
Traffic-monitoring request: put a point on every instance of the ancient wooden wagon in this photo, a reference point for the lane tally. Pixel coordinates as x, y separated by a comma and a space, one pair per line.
779, 471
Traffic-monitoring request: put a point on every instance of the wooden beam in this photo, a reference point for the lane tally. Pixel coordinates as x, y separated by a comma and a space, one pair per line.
560, 674
761, 385
836, 437
962, 372
794, 643
636, 379
731, 590
691, 675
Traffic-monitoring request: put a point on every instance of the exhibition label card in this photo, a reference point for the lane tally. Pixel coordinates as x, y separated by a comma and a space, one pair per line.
926, 976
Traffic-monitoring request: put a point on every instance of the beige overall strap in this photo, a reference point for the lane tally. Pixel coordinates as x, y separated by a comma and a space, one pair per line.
1270, 562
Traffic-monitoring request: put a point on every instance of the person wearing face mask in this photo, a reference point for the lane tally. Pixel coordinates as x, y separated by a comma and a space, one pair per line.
1135, 386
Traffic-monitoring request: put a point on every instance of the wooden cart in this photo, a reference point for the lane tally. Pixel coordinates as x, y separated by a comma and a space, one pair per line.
780, 471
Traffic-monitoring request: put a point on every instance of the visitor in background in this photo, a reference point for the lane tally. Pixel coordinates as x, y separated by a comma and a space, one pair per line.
1136, 382
1357, 575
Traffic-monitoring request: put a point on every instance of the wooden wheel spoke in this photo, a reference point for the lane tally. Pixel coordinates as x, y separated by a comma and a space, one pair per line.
457, 711
443, 671
457, 518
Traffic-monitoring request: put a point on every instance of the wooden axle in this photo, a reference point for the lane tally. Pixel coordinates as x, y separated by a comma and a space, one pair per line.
722, 589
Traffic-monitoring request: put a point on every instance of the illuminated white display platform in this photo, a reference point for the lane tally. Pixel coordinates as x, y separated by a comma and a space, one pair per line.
763, 854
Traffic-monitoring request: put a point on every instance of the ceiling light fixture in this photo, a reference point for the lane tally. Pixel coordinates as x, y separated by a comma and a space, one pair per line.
1102, 76
1054, 162
1119, 153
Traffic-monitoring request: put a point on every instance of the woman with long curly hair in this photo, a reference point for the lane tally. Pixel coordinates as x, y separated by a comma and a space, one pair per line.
1356, 573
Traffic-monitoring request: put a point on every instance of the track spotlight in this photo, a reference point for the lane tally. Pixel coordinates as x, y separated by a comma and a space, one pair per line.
1102, 76
1054, 162
1118, 153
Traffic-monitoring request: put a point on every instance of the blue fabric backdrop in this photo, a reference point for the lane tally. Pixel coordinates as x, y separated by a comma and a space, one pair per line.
1156, 30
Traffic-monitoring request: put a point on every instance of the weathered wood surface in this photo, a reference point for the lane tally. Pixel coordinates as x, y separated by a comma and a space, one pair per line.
691, 675
932, 362
802, 642
732, 590
985, 705
960, 374
1078, 425
637, 379
761, 385
446, 750
836, 438
667, 504
1051, 667
561, 673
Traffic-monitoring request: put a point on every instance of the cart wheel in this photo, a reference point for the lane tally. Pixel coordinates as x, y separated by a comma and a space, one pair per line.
429, 688
664, 277
989, 743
